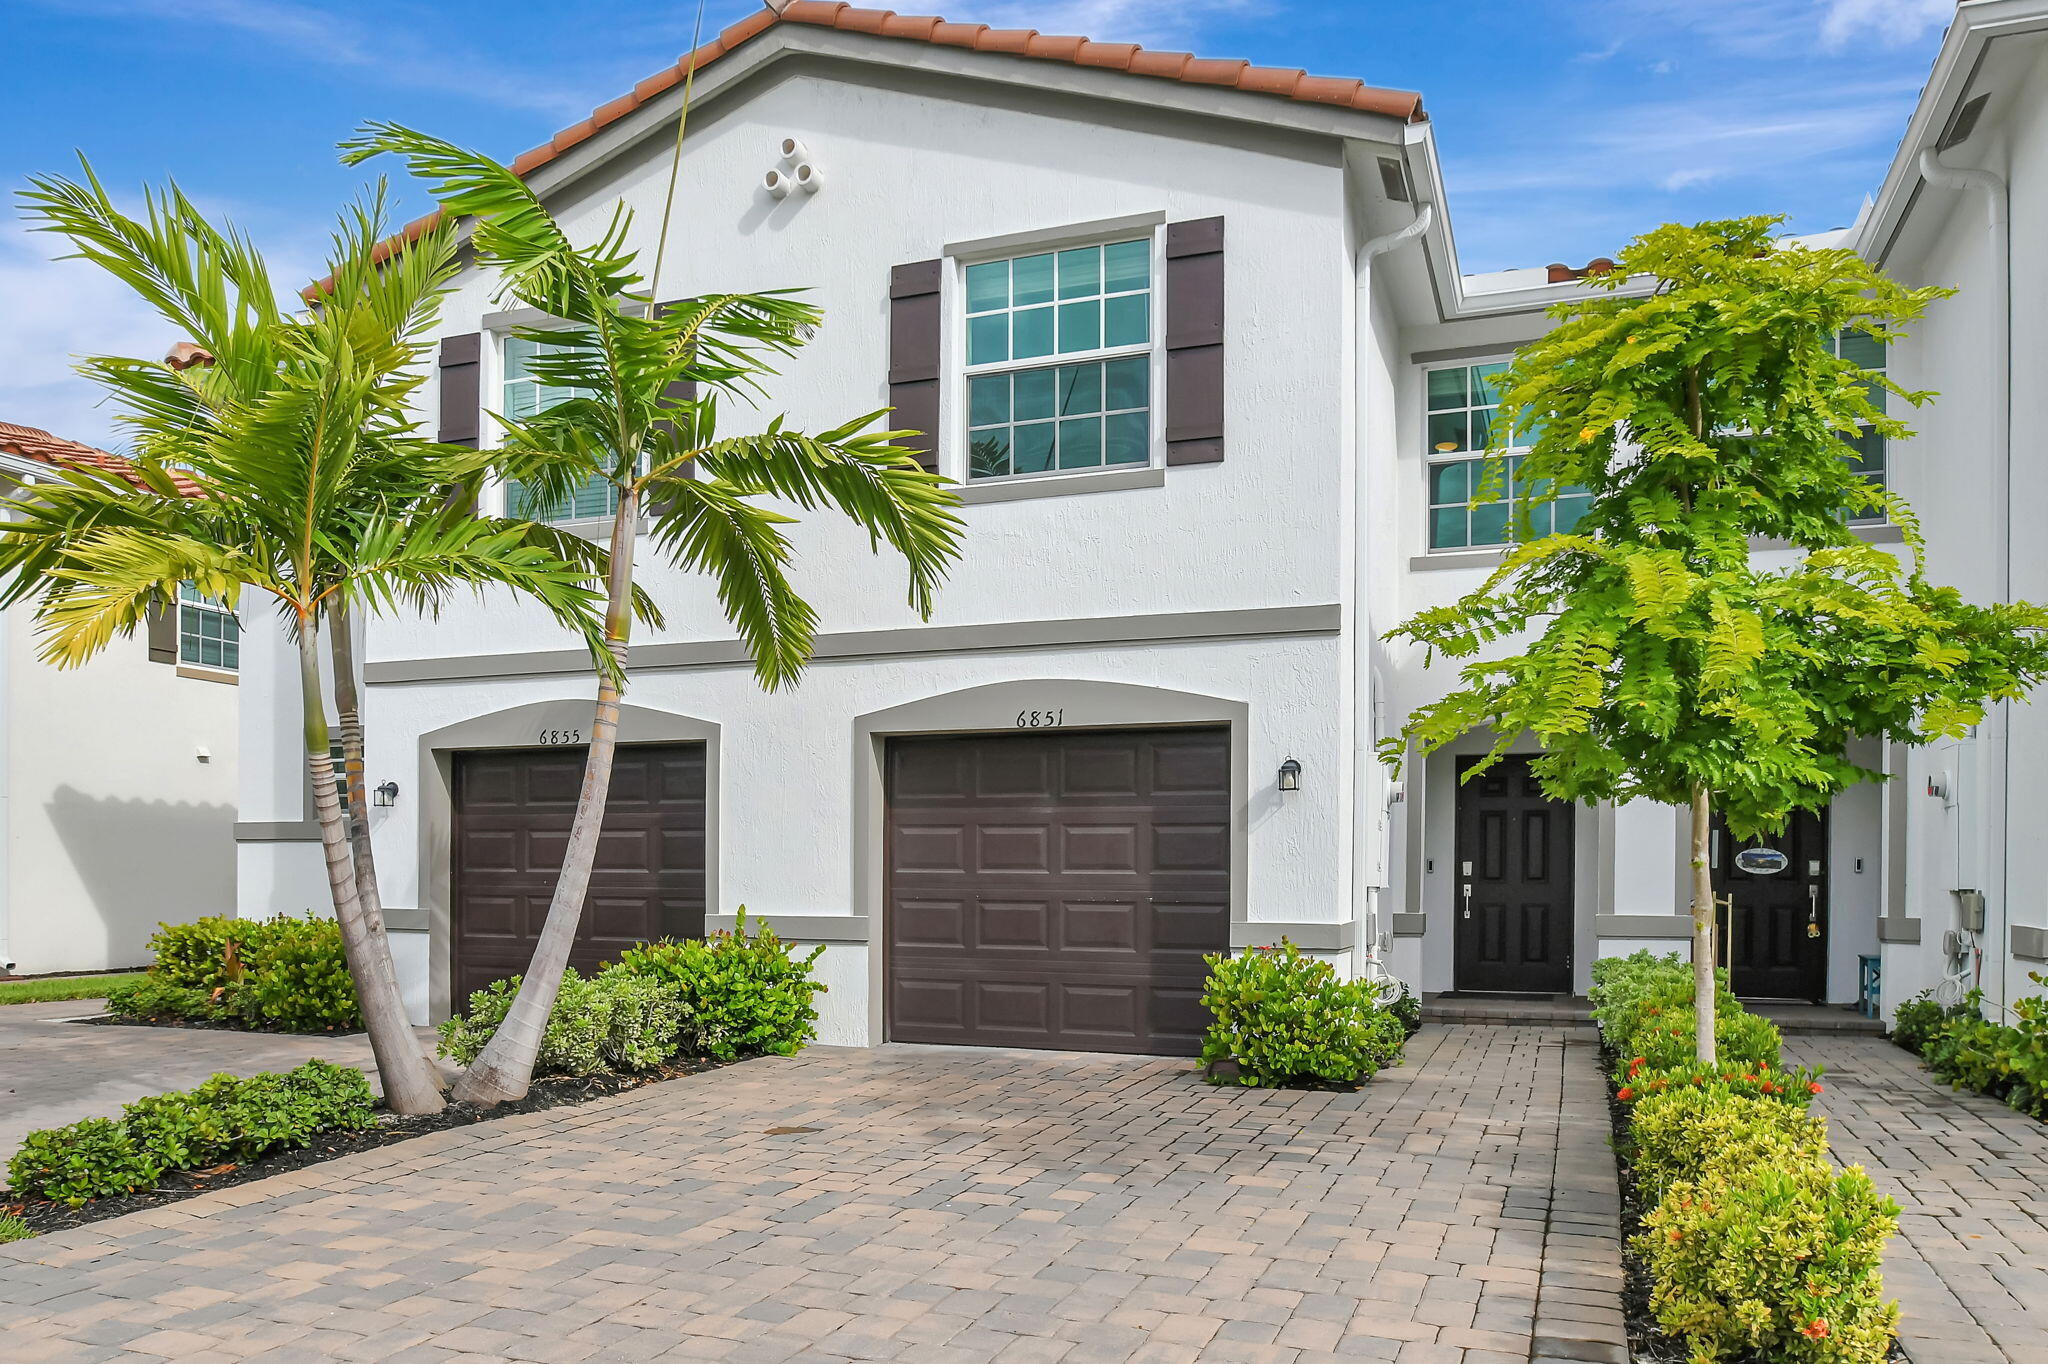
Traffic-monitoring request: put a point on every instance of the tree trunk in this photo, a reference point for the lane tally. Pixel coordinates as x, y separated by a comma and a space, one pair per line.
409, 1082
348, 713
1703, 923
504, 1069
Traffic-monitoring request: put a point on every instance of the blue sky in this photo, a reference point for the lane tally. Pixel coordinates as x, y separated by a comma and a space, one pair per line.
1565, 126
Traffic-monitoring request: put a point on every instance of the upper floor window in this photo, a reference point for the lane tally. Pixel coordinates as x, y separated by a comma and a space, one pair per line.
525, 396
1059, 360
209, 636
1867, 447
1463, 413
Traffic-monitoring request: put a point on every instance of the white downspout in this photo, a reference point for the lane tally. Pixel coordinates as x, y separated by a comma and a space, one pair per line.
1365, 817
1996, 820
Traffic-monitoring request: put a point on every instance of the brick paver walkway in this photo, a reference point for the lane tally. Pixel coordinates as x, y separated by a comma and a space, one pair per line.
935, 1205
1970, 1263
53, 1072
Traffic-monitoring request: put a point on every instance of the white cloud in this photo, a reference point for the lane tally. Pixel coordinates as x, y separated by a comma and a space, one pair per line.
1893, 22
1148, 22
58, 311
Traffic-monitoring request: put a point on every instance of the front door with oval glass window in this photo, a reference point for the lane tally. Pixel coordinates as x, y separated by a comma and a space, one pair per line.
1513, 886
1775, 945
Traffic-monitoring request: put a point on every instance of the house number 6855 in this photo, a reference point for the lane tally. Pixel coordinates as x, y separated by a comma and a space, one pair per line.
552, 737
1041, 719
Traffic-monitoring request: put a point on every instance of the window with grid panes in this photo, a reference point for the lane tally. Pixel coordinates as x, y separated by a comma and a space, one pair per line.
525, 396
209, 636
1059, 360
1462, 412
1867, 447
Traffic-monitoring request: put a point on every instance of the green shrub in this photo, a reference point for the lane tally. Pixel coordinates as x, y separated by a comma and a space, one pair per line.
1667, 1041
741, 993
1919, 1018
295, 977
1285, 1019
1796, 1087
281, 973
1406, 1008
95, 1158
149, 996
1775, 1261
228, 1117
615, 1020
1675, 1135
2026, 1058
1971, 1053
14, 1229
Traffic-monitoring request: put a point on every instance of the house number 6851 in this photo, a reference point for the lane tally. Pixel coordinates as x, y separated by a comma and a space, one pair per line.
1041, 719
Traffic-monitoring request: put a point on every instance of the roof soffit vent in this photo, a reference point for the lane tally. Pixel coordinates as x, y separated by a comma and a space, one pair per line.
1394, 179
1962, 123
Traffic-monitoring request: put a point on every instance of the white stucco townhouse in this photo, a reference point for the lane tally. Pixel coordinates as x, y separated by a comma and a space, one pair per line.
117, 779
1193, 338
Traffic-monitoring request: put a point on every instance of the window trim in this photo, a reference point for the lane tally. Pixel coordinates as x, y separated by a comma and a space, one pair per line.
1430, 459
954, 440
199, 606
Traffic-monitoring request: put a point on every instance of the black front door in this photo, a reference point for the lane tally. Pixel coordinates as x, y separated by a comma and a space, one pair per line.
1776, 945
1514, 883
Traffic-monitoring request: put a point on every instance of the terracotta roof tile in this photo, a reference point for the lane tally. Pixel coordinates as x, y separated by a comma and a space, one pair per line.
32, 442
1278, 82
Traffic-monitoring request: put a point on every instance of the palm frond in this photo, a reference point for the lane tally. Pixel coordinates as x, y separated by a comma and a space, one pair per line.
710, 528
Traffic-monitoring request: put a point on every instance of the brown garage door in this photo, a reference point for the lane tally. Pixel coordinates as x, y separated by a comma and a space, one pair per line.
1057, 890
512, 814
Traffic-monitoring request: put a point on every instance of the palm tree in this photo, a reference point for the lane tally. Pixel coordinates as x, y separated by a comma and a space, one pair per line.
313, 492
643, 382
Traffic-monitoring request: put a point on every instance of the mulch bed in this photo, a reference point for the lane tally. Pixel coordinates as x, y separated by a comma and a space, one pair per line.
207, 1024
1647, 1341
559, 1091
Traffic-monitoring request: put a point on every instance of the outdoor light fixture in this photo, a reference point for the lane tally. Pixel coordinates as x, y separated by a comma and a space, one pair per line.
386, 794
1290, 775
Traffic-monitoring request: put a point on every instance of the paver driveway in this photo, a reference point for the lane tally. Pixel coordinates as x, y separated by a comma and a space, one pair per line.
940, 1205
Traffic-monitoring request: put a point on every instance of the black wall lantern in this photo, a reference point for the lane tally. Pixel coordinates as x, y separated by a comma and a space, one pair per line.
386, 794
1290, 775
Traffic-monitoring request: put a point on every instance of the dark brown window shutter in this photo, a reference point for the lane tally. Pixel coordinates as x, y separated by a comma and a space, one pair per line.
462, 388
1194, 341
914, 325
161, 624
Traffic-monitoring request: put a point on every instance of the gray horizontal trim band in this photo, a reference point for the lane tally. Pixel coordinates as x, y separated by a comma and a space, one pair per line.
1483, 350
2029, 944
1263, 622
1310, 937
407, 921
1063, 235
805, 928
515, 317
1893, 929
1642, 925
1436, 563
1411, 925
1060, 485
1874, 534
278, 831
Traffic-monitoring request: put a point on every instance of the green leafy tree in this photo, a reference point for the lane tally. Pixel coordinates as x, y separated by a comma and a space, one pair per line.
276, 457
1644, 649
639, 415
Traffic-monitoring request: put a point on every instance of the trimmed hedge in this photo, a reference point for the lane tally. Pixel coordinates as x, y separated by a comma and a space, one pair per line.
1284, 1019
284, 974
229, 1118
611, 1021
1756, 1245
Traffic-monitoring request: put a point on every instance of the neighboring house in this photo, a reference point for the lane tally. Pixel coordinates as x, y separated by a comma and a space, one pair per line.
117, 779
1193, 339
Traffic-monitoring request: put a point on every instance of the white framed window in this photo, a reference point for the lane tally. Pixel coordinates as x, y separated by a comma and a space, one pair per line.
1867, 448
1461, 412
524, 396
209, 636
1061, 360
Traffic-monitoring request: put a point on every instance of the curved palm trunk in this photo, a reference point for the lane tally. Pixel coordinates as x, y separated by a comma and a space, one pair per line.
348, 713
504, 1069
1703, 923
410, 1085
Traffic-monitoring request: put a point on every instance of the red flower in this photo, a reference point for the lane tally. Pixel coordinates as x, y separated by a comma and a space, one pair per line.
1625, 1095
1817, 1329
1676, 1235
1813, 1087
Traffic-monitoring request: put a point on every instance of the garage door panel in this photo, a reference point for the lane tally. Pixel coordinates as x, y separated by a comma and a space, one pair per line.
513, 811
1060, 927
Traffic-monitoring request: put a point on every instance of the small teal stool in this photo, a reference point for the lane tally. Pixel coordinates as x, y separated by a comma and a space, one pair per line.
1869, 979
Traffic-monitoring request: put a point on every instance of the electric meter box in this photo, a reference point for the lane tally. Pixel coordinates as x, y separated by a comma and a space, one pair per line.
1970, 909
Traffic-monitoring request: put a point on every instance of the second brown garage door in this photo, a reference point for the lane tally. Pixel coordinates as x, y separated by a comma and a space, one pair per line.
1057, 890
513, 808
